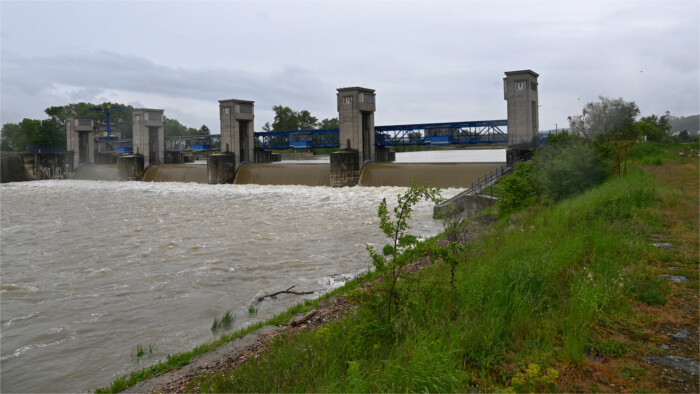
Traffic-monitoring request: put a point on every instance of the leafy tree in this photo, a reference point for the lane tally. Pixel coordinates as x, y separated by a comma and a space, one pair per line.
172, 128
611, 118
331, 123
204, 130
306, 121
287, 119
11, 138
655, 128
121, 121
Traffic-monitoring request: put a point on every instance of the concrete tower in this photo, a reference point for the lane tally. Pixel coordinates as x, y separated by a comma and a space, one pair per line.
237, 133
520, 91
149, 134
80, 139
356, 108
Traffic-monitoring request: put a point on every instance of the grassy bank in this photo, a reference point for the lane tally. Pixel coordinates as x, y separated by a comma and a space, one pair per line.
559, 297
535, 300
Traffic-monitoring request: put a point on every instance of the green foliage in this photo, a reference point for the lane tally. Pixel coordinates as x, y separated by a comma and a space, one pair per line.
534, 380
331, 123
140, 351
648, 288
655, 128
517, 190
253, 310
173, 128
563, 168
566, 167
224, 323
121, 121
609, 118
287, 119
12, 139
31, 132
390, 262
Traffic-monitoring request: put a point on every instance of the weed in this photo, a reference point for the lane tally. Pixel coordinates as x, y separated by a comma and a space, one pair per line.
534, 380
140, 351
224, 323
253, 310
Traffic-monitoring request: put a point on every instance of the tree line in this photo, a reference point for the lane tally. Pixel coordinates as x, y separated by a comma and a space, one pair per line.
287, 119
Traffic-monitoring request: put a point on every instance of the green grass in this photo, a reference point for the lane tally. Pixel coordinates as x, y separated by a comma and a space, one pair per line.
655, 153
529, 292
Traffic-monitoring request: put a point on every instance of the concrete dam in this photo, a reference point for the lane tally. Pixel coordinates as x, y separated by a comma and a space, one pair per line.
444, 175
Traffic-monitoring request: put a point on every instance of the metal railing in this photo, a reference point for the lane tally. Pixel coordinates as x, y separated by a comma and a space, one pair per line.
479, 184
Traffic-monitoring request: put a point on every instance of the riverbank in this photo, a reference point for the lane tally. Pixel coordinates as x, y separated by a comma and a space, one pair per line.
577, 296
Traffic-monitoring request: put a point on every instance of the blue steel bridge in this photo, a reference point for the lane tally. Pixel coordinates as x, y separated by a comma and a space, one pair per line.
469, 132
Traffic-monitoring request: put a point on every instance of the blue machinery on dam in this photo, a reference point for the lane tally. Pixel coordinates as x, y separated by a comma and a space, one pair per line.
359, 140
471, 132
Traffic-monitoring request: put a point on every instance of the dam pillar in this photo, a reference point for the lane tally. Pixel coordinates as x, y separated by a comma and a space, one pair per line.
149, 134
130, 167
80, 140
221, 168
237, 133
356, 108
520, 92
345, 167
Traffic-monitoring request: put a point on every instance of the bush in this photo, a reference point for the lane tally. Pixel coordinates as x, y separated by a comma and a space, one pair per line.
518, 190
566, 166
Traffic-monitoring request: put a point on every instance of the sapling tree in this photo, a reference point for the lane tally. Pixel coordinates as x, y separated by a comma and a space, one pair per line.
390, 262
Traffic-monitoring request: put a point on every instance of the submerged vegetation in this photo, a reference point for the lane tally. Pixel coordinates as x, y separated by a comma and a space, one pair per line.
225, 322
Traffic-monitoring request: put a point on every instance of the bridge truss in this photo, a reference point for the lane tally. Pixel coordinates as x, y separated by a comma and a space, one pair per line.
471, 132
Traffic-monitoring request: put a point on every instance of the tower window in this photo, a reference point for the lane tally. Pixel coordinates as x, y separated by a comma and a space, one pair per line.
347, 100
520, 85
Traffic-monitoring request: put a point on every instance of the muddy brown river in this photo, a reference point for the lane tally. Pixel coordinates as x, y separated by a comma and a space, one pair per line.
92, 269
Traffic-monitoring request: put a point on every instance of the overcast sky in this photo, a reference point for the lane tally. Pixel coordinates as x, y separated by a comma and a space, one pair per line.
429, 61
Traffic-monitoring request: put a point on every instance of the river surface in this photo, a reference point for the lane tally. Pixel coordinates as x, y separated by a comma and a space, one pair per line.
92, 269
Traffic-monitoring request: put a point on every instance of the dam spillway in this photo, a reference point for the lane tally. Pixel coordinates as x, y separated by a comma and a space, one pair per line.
196, 173
96, 172
444, 175
306, 174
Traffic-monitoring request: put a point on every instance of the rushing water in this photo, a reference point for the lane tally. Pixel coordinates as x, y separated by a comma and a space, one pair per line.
92, 269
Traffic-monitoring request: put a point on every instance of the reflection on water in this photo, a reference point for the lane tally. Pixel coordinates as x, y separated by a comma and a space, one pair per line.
92, 269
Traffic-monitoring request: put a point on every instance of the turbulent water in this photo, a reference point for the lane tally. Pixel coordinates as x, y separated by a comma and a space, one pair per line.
92, 269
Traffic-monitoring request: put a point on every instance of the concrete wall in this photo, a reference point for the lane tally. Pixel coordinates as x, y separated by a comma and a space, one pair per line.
463, 205
352, 103
75, 125
520, 91
230, 113
143, 119
33, 166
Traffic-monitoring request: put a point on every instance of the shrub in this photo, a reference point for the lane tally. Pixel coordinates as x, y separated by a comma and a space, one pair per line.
518, 190
565, 167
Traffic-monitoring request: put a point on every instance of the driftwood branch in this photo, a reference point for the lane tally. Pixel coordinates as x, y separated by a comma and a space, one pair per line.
288, 291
